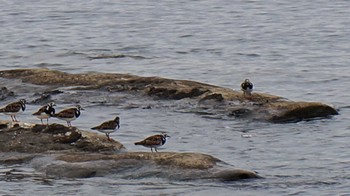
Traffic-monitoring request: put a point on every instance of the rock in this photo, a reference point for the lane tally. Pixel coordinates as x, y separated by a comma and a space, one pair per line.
171, 165
55, 137
92, 155
45, 97
5, 93
297, 111
16, 158
259, 106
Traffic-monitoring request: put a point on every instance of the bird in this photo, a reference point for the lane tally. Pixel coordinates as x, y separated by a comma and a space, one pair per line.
154, 141
247, 87
108, 127
45, 112
69, 114
14, 108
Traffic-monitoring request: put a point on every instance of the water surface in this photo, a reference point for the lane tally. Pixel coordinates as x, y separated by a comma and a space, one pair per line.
295, 49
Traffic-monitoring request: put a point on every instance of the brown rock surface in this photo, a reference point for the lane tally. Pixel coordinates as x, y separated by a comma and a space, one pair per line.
260, 106
92, 154
55, 137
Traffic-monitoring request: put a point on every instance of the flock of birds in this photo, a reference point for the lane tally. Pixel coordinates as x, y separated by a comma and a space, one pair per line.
107, 127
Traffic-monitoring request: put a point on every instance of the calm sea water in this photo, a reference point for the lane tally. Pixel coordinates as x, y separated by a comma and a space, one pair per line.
296, 49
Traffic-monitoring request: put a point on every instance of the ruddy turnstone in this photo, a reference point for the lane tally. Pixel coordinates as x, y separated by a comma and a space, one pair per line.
247, 87
108, 127
45, 112
13, 109
154, 141
69, 114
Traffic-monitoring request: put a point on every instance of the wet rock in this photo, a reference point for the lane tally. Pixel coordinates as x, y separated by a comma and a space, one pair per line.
240, 112
41, 138
45, 97
171, 165
215, 96
16, 158
297, 111
92, 155
261, 106
5, 93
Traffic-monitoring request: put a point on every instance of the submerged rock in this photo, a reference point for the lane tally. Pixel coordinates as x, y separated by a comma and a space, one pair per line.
5, 93
92, 155
259, 106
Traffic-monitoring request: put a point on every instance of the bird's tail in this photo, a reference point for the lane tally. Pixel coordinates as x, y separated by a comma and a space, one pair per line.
138, 143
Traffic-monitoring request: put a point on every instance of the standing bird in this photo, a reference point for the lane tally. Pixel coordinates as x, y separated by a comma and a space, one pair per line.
108, 127
69, 114
247, 87
13, 109
153, 141
45, 112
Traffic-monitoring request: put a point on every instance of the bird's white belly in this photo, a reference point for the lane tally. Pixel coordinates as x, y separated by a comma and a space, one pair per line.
43, 116
107, 130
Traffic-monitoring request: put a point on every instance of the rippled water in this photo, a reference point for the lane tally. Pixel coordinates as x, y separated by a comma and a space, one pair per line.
295, 49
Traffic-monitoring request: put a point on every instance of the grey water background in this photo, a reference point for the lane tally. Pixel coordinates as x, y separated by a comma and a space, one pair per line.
294, 49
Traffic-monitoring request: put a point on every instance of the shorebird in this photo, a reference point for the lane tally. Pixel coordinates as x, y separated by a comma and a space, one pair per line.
154, 141
45, 112
247, 87
108, 127
13, 109
69, 114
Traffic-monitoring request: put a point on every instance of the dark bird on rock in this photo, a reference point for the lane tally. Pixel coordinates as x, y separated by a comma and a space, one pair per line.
247, 87
13, 109
154, 141
69, 114
45, 112
108, 127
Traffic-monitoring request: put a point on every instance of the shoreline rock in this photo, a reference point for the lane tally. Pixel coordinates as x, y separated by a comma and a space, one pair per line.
92, 155
260, 106
41, 138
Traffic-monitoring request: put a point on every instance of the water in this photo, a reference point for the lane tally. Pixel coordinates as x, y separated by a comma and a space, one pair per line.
295, 49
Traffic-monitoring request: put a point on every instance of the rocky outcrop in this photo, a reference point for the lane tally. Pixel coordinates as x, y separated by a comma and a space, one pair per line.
27, 138
224, 101
52, 151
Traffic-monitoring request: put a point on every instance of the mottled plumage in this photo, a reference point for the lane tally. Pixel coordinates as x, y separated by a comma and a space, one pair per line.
108, 127
69, 114
13, 109
45, 112
154, 141
247, 87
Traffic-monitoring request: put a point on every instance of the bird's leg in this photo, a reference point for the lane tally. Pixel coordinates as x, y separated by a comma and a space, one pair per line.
15, 119
47, 121
12, 119
151, 150
155, 149
42, 121
250, 96
107, 134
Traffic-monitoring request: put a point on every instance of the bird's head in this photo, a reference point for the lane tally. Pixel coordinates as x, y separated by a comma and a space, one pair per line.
23, 101
79, 107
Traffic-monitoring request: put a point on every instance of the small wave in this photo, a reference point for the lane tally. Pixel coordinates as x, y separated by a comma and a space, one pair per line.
47, 64
184, 36
115, 56
249, 55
